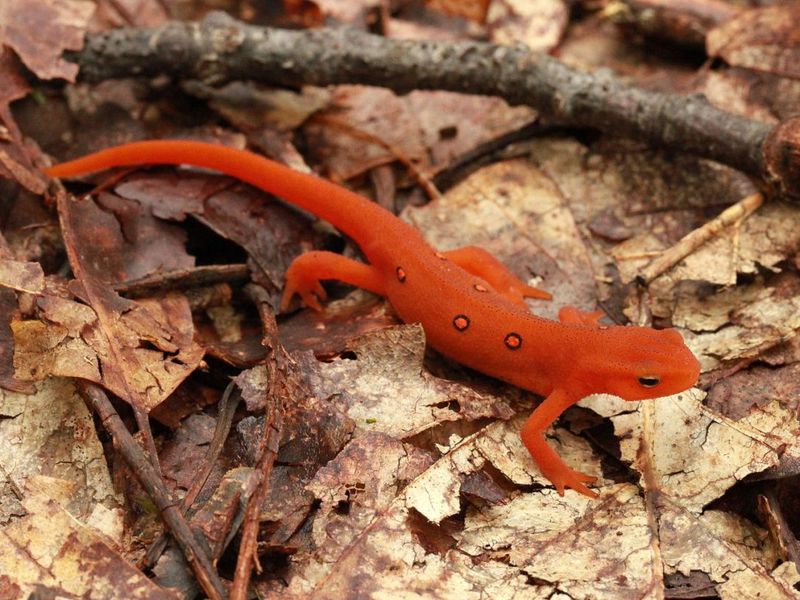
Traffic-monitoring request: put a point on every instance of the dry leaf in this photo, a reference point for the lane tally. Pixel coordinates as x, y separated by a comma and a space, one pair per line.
764, 39
381, 384
690, 454
47, 548
40, 30
22, 276
50, 432
363, 128
539, 24
698, 543
156, 334
515, 211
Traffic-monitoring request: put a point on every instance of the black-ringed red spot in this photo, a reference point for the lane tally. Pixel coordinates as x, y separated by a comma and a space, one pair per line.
479, 287
461, 322
513, 341
401, 274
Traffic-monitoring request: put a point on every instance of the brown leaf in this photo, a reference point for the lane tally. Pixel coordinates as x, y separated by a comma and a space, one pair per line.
607, 542
764, 39
452, 124
22, 276
50, 432
516, 212
364, 128
13, 85
690, 454
146, 348
40, 30
474, 10
712, 543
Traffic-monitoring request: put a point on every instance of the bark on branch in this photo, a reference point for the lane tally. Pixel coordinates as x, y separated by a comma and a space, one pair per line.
220, 49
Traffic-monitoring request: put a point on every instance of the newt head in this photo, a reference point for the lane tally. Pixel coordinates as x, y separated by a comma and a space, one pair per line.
637, 363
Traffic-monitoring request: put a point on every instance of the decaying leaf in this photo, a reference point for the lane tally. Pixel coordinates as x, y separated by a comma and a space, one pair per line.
70, 342
436, 493
22, 276
736, 555
513, 210
755, 326
144, 349
40, 30
685, 451
763, 39
357, 117
762, 241
539, 24
384, 386
48, 549
50, 432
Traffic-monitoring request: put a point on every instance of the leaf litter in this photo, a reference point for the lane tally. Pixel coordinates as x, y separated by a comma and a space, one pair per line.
390, 481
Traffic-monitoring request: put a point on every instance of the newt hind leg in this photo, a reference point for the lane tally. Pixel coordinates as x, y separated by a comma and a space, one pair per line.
479, 262
307, 271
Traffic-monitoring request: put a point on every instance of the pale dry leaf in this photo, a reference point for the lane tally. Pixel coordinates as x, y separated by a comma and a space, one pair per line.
22, 276
710, 312
353, 546
752, 543
502, 445
692, 542
764, 240
608, 542
435, 493
48, 548
539, 24
248, 105
385, 387
693, 455
516, 212
770, 318
369, 542
51, 432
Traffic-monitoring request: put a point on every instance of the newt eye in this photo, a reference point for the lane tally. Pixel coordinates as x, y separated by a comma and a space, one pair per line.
649, 381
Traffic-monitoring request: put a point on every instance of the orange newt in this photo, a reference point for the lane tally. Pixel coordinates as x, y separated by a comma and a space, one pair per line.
471, 307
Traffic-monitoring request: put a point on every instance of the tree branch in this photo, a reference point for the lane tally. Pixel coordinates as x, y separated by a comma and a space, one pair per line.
220, 49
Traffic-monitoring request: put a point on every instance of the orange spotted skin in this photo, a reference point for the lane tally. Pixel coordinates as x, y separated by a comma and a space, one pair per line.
472, 309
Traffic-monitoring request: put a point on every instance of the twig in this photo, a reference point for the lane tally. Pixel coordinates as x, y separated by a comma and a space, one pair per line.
690, 242
146, 474
324, 57
227, 410
181, 279
267, 451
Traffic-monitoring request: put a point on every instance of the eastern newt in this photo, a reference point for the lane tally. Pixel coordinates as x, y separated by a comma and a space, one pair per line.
471, 307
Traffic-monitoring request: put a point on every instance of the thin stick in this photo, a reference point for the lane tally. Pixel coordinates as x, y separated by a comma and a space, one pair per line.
146, 474
267, 451
687, 124
732, 215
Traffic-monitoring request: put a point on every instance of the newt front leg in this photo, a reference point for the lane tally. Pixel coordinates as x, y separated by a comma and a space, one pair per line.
550, 464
